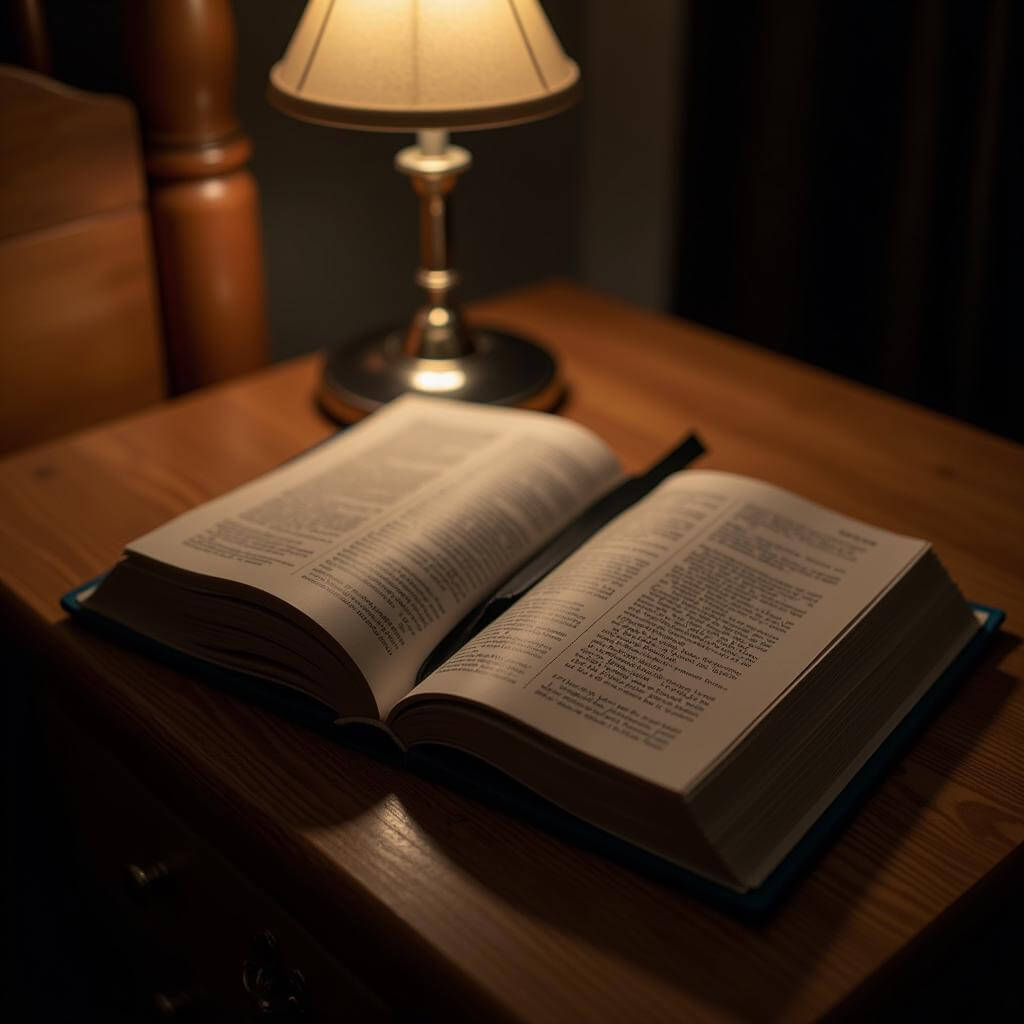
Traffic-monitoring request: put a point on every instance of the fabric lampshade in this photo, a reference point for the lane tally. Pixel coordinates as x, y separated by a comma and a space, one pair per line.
401, 65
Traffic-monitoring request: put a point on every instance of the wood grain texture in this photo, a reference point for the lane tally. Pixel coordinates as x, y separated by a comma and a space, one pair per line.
64, 153
79, 319
429, 895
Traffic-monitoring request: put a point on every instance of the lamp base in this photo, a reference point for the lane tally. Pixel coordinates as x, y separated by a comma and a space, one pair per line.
360, 376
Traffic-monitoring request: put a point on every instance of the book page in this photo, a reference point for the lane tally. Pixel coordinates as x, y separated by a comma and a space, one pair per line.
668, 635
387, 535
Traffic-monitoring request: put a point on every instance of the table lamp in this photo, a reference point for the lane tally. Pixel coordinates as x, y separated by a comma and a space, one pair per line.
429, 66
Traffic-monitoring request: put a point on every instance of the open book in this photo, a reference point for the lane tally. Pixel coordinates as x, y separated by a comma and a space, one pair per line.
700, 677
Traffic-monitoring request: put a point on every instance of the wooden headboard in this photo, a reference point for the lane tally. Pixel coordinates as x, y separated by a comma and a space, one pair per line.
78, 299
127, 272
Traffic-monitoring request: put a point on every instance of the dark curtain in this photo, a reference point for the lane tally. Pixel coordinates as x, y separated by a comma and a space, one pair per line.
851, 192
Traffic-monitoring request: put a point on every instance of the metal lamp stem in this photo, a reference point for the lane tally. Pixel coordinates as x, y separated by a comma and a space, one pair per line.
437, 329
436, 353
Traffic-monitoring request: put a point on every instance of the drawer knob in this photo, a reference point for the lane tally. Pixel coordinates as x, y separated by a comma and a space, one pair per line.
147, 878
157, 877
178, 1005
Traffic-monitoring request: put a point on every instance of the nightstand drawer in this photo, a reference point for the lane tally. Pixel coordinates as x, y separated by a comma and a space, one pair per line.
187, 935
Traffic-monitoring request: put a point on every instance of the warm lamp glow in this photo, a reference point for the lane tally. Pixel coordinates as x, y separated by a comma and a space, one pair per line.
429, 66
407, 64
437, 381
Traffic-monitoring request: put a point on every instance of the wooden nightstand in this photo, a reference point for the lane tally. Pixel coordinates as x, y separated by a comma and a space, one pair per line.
390, 893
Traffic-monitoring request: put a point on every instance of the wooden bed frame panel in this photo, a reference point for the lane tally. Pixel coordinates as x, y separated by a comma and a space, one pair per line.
79, 312
112, 297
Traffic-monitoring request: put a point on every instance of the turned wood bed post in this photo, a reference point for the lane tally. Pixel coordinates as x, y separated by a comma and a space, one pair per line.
205, 202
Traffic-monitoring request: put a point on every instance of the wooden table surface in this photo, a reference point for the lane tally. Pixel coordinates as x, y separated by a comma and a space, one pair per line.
424, 891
